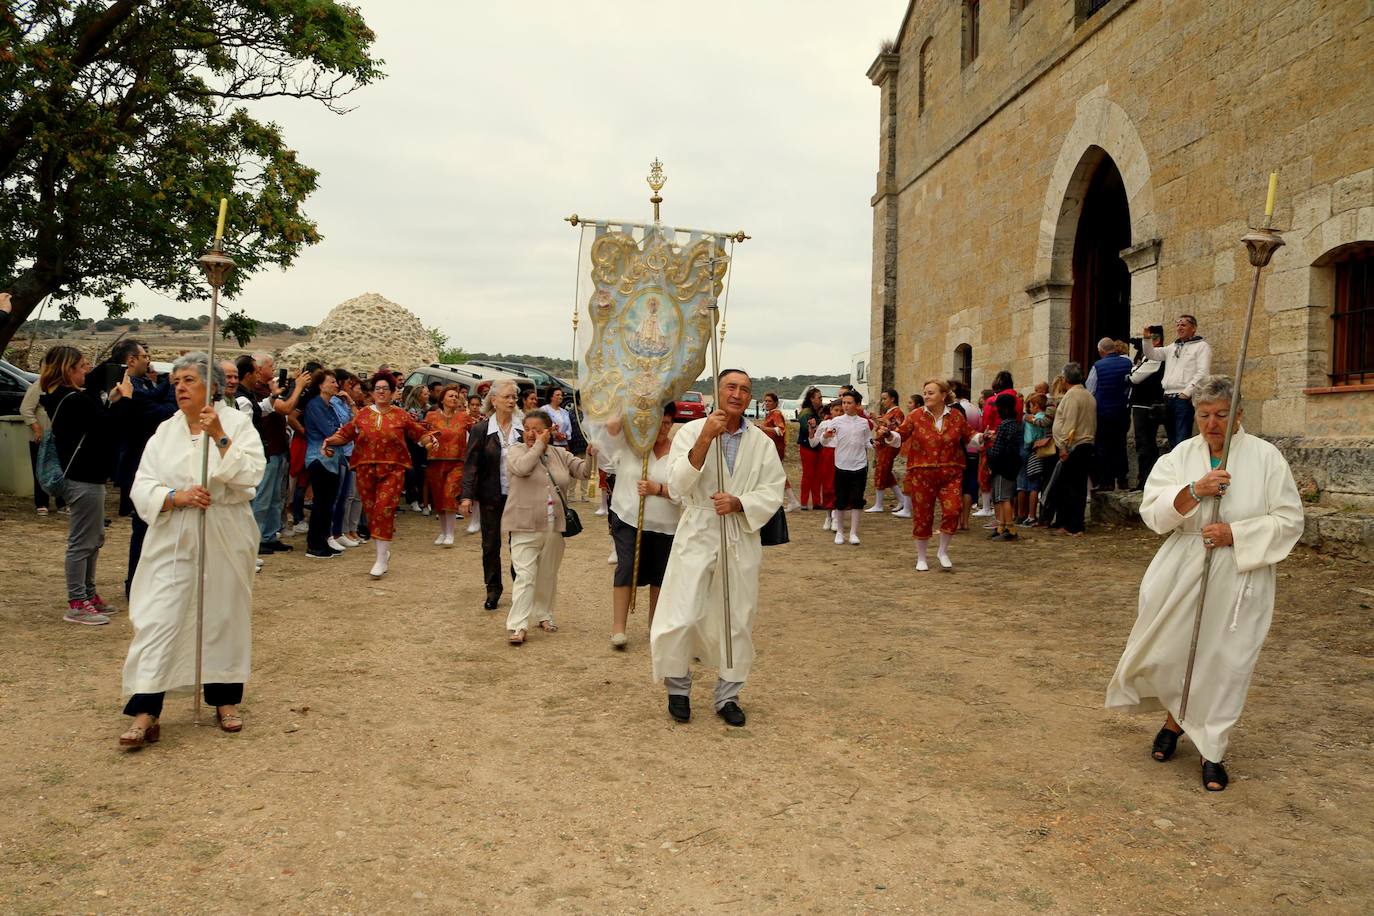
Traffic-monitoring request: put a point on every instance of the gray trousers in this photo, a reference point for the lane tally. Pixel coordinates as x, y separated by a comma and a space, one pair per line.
267, 499
85, 536
682, 687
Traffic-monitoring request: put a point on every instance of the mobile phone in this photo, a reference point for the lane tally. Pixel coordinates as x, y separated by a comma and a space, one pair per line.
281, 378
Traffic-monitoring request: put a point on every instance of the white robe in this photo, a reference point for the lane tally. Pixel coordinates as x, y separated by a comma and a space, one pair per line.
688, 622
1265, 514
162, 599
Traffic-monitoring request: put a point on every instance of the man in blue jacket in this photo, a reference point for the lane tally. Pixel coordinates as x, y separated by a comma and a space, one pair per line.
1109, 383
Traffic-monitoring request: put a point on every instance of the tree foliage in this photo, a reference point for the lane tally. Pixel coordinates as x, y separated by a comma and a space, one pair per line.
122, 124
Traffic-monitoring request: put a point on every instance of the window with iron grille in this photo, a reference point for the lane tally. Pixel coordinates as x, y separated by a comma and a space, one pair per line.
1352, 317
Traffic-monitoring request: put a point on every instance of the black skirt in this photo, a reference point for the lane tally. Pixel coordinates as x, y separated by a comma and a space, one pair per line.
653, 554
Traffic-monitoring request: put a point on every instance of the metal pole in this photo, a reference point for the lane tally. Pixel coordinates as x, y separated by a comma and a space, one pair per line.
639, 536
724, 563
1261, 244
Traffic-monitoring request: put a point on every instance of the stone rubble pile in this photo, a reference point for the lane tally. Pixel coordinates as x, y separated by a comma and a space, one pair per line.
362, 334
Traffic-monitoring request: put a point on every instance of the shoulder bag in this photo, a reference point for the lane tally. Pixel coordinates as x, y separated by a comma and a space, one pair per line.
572, 525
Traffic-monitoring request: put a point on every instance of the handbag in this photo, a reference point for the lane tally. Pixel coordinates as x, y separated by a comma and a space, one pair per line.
1044, 448
774, 531
572, 525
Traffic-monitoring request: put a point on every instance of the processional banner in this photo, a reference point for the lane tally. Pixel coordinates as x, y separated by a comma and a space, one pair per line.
651, 320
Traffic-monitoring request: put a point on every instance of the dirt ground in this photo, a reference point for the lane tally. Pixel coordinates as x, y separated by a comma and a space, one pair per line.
916, 743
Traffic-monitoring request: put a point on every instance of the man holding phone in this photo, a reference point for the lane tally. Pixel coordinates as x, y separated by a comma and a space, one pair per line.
270, 410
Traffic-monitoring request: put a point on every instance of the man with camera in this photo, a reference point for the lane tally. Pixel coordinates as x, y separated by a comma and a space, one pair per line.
1147, 403
1186, 362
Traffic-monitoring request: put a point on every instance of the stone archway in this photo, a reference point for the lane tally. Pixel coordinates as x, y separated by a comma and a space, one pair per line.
1101, 128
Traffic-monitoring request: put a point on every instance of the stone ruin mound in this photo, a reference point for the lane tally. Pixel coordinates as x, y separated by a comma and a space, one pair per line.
362, 334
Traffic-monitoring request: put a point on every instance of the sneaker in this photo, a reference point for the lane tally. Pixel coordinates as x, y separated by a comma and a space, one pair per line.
448, 539
42, 510
101, 607
335, 545
425, 512
902, 513
279, 547
259, 567
415, 507
839, 537
984, 513
1027, 522
876, 507
825, 525
325, 555
474, 526
922, 566
854, 539
945, 562
600, 511
347, 541
82, 612
301, 527
286, 532
439, 541
613, 559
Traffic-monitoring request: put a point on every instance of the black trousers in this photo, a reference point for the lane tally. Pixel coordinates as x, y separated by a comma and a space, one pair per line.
215, 695
491, 545
1146, 443
1071, 490
325, 485
1113, 468
138, 528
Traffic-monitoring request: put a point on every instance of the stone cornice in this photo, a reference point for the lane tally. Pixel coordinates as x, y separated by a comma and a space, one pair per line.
1049, 289
883, 66
1143, 256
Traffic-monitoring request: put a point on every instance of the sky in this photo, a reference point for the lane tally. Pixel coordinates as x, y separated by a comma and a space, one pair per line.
445, 188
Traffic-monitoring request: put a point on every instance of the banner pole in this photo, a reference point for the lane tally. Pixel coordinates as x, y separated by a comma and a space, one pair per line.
724, 562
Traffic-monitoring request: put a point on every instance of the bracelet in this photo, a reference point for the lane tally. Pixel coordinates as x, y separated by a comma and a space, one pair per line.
172, 497
1192, 491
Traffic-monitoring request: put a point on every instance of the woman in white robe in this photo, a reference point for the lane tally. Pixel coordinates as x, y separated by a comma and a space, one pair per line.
162, 600
688, 622
1260, 521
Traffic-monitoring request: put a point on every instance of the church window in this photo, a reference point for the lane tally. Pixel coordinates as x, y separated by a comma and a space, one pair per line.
923, 78
971, 36
1085, 8
1352, 316
963, 364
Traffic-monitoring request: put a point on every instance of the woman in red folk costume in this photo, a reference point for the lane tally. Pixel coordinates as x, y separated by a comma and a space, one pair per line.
380, 460
936, 435
774, 426
890, 417
450, 423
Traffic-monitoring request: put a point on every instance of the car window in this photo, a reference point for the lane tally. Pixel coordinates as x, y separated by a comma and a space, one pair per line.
692, 396
416, 378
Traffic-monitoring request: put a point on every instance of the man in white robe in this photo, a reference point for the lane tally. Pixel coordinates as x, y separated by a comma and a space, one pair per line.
162, 600
689, 620
1261, 516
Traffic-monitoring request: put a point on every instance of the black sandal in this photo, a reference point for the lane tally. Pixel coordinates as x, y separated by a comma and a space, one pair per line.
1214, 773
1166, 742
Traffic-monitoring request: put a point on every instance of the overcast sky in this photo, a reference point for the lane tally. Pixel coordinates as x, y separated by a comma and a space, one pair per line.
446, 187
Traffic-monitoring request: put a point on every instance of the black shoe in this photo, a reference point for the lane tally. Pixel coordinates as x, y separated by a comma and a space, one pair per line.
325, 554
732, 714
265, 548
995, 535
1166, 742
680, 708
281, 547
490, 603
1010, 536
337, 553
1214, 773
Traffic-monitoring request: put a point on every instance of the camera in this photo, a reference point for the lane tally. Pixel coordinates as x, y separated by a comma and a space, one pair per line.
1156, 330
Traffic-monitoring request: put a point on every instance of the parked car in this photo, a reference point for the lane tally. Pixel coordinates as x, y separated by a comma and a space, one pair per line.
477, 378
543, 380
789, 407
691, 406
13, 383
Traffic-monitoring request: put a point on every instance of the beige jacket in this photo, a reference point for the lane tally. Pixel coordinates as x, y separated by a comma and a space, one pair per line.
528, 491
1075, 419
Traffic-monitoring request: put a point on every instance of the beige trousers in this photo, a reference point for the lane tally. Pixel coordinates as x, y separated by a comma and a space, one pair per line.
536, 556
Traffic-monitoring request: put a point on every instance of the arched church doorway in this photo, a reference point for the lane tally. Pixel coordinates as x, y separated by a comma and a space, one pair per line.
1100, 304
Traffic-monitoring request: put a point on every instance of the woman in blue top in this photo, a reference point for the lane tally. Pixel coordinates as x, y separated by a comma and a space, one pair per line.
321, 422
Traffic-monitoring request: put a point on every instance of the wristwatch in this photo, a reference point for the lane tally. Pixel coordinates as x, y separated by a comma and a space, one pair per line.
222, 441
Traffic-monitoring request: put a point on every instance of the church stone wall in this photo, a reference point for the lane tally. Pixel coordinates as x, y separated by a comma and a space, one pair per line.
1196, 101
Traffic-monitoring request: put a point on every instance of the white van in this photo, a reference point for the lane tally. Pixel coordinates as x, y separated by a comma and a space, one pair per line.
858, 373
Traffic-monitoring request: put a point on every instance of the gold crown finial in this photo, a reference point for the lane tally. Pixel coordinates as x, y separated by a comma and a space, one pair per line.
656, 182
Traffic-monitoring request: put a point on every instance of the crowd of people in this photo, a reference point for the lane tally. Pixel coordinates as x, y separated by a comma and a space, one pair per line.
333, 456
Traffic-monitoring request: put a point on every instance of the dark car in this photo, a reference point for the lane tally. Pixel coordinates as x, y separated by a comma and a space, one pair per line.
13, 383
691, 406
545, 382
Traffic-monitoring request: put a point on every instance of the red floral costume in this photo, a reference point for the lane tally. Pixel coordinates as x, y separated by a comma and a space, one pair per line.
380, 459
934, 468
886, 455
444, 473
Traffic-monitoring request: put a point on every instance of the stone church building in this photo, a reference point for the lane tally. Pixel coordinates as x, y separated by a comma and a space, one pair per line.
1055, 171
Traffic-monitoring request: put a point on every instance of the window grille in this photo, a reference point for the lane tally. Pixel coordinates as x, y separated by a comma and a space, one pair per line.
1352, 319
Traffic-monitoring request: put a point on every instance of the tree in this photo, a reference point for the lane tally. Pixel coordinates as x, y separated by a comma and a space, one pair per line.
122, 124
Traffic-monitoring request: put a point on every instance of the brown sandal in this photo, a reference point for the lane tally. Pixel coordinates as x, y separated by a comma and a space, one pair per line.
232, 722
138, 736
548, 626
517, 637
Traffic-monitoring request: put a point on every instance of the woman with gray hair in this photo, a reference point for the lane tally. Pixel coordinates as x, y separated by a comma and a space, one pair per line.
1255, 522
168, 495
486, 478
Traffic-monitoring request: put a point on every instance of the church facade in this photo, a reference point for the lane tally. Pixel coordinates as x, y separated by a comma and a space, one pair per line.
1055, 171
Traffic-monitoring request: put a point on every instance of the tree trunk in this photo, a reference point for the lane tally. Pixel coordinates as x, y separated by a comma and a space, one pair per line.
28, 289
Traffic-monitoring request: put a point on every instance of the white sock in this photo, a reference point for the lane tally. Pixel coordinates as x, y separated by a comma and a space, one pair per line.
835, 519
944, 544
854, 522
383, 551
921, 550
985, 501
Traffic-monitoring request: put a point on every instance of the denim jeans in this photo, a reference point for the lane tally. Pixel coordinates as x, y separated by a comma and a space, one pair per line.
267, 501
336, 526
1178, 420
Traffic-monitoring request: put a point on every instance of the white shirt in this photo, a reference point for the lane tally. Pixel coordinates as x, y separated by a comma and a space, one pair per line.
1184, 363
660, 513
850, 441
515, 432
